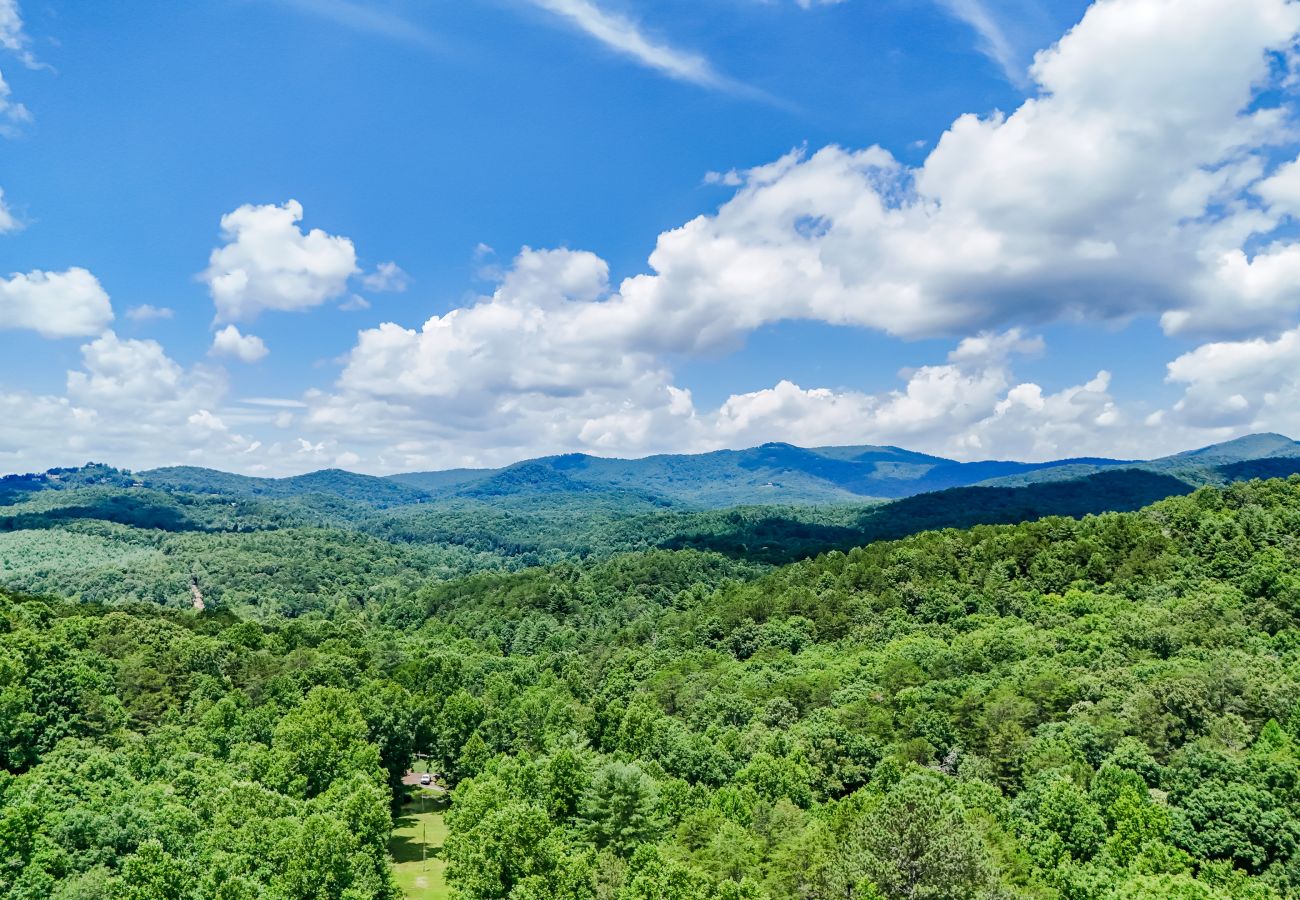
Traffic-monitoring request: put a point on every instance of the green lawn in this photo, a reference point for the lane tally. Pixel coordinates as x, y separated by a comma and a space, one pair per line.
416, 848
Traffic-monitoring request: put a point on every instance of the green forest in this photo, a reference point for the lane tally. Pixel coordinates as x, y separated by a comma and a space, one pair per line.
648, 705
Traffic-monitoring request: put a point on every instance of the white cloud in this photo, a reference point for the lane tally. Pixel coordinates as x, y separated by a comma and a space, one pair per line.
136, 374
355, 303
13, 39
1077, 420
12, 35
1120, 190
970, 407
247, 348
275, 402
527, 337
365, 18
205, 422
730, 178
129, 404
8, 221
1240, 385
994, 42
1281, 190
538, 367
145, 312
55, 304
625, 37
1139, 180
269, 263
388, 276
13, 114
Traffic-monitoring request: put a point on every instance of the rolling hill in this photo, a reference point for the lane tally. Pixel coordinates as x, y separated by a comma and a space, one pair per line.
285, 544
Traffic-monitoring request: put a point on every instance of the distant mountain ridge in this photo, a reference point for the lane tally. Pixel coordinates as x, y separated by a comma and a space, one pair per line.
773, 473
770, 474
95, 527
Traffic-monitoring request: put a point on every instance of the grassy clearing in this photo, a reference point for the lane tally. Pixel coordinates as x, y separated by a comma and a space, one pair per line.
416, 849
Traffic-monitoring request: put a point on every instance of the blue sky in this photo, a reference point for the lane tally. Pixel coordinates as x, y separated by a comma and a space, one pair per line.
276, 235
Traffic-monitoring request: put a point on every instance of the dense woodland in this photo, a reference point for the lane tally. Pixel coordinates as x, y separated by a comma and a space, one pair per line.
265, 549
1097, 708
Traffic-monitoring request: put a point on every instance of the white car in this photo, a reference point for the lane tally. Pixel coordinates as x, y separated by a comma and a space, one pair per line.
426, 779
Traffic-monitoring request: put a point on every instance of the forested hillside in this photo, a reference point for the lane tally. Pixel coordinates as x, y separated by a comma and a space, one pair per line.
270, 547
1097, 708
271, 554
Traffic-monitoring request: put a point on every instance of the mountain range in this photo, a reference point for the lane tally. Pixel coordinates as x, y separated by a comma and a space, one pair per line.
771, 474
292, 543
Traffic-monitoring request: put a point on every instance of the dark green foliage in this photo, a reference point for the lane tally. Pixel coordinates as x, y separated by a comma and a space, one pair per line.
777, 536
619, 807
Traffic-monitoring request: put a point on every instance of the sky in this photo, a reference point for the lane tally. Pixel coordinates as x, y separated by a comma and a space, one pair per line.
273, 236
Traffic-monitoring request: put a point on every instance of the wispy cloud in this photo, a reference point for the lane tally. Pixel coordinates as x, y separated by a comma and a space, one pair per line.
994, 42
12, 36
625, 37
364, 17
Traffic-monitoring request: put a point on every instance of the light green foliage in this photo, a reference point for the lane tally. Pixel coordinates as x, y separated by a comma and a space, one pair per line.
322, 739
1085, 709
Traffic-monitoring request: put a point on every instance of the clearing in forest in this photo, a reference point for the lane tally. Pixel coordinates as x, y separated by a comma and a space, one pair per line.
416, 847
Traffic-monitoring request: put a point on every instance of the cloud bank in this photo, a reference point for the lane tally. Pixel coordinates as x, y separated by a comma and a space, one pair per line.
1153, 173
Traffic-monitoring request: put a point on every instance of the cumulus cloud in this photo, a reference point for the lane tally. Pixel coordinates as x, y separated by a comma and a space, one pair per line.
969, 407
1140, 179
134, 374
1239, 385
1281, 190
269, 263
537, 367
529, 336
128, 403
1121, 189
55, 304
247, 348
